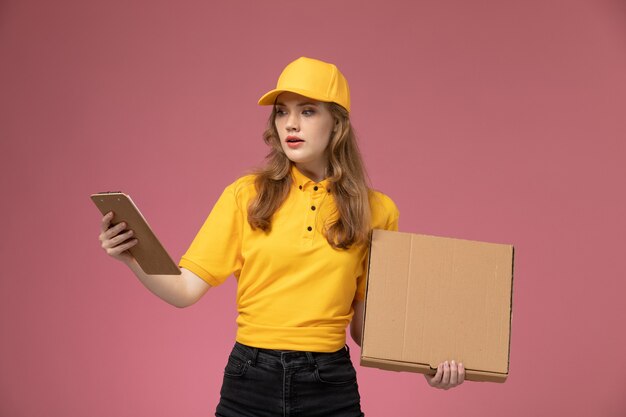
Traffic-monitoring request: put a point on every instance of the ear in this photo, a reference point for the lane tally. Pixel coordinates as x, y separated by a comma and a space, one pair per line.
336, 126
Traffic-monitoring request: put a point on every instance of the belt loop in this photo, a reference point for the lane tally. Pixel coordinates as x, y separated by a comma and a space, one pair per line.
309, 356
255, 354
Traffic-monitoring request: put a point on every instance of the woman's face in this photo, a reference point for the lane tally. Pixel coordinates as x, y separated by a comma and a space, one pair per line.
304, 127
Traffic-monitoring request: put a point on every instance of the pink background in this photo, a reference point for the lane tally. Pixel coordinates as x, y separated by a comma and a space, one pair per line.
500, 121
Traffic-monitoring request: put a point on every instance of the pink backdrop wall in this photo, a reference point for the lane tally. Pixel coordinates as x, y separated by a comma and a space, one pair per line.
493, 120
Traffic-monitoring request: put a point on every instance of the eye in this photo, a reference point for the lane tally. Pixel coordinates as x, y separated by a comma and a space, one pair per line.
279, 112
308, 112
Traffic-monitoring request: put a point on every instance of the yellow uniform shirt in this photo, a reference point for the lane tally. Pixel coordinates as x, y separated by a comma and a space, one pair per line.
294, 291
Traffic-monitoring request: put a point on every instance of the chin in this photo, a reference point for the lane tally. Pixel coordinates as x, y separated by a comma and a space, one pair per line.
296, 159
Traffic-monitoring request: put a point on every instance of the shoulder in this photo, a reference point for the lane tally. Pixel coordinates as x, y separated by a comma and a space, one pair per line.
384, 211
241, 190
243, 185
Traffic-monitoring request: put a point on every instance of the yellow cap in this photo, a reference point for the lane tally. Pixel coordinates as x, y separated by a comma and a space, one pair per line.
314, 79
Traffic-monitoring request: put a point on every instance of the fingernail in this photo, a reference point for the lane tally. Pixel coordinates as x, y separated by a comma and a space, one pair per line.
447, 364
461, 364
453, 362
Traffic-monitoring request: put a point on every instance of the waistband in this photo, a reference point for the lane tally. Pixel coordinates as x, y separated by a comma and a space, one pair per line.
285, 358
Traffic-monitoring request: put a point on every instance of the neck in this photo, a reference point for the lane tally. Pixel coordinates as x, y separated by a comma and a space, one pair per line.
315, 173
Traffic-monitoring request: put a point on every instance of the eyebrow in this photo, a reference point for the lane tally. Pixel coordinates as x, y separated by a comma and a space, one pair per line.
299, 105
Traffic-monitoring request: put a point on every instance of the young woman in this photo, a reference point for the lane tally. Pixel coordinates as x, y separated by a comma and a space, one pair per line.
295, 236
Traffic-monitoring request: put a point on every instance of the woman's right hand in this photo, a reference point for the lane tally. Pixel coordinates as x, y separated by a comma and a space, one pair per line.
114, 242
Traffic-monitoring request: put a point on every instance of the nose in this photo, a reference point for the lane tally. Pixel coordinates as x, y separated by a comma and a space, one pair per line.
293, 122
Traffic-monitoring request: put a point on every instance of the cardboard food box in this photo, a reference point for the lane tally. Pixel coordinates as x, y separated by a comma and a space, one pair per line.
430, 299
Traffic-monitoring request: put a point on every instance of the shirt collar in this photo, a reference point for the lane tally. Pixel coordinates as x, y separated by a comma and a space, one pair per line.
303, 182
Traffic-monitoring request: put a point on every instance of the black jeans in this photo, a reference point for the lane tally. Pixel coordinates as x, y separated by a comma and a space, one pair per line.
264, 383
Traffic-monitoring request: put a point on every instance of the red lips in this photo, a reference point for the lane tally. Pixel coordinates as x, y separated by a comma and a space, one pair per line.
294, 142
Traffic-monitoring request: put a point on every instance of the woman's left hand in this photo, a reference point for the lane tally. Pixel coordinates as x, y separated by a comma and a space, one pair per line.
449, 375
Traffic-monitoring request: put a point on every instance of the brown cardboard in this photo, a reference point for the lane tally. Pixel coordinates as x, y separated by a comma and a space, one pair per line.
430, 299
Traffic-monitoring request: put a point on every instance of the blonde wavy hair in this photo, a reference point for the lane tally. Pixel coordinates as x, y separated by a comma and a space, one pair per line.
346, 174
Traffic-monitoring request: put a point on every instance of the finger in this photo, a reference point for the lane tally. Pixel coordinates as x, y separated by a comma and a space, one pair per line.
436, 380
121, 248
429, 378
118, 250
446, 374
461, 373
121, 238
113, 231
454, 376
106, 221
